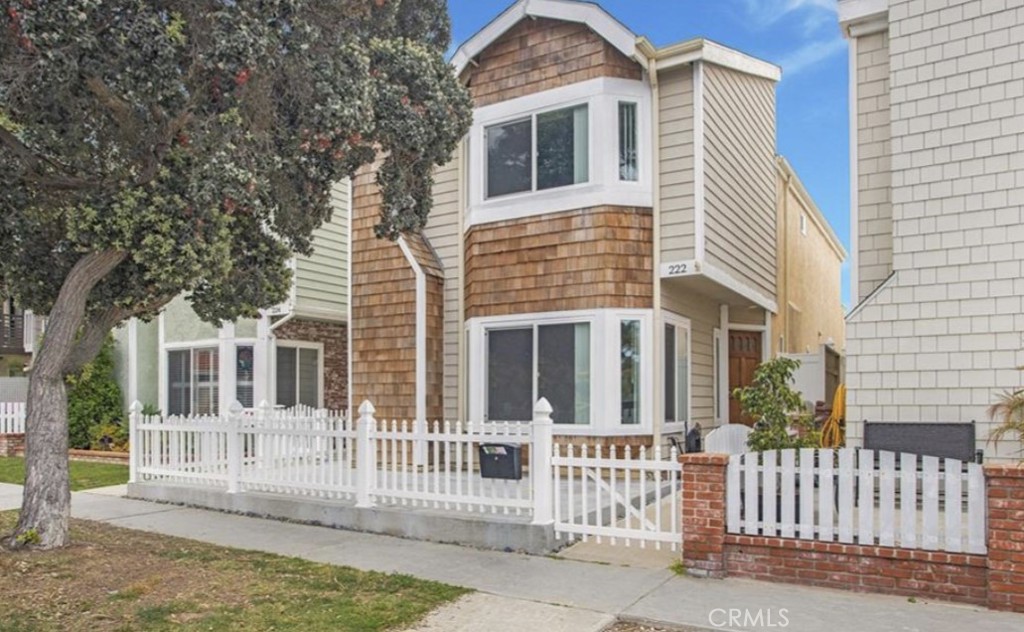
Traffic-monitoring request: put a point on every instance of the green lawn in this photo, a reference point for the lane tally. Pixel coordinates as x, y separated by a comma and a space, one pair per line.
84, 474
112, 579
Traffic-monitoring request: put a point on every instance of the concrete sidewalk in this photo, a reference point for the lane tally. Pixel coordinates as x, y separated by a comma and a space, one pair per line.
542, 593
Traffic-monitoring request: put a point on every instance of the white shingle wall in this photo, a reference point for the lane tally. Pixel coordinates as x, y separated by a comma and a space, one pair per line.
875, 209
945, 336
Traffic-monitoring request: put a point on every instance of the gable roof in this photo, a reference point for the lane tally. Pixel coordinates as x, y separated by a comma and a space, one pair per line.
589, 13
639, 49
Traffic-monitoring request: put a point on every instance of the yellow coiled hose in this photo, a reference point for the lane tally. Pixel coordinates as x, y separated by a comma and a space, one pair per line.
833, 433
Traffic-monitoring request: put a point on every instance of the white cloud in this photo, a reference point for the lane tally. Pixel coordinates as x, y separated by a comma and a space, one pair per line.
810, 54
817, 19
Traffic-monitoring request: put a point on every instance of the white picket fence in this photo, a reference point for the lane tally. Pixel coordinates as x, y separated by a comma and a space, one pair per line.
322, 454
12, 417
612, 495
858, 496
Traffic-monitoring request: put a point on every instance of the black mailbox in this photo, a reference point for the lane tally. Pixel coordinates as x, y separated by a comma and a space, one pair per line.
501, 460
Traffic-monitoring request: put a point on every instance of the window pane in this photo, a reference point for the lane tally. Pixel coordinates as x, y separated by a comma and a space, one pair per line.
179, 382
630, 371
286, 376
244, 376
682, 374
563, 367
309, 377
206, 374
509, 158
670, 373
628, 169
510, 374
562, 148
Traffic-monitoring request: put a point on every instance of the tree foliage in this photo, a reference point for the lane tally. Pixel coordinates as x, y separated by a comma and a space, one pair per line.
780, 419
198, 139
94, 399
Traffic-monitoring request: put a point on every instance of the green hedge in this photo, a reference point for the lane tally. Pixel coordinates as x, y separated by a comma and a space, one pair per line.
95, 408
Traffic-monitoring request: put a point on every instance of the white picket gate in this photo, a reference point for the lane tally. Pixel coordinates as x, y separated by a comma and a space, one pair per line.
12, 417
858, 496
613, 498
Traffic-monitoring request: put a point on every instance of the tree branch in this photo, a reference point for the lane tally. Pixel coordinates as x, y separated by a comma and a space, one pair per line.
96, 329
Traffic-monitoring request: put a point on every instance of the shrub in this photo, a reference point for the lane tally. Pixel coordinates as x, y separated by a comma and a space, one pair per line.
1008, 412
780, 419
94, 398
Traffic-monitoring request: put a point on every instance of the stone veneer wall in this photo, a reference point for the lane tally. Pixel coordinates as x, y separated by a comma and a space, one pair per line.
334, 337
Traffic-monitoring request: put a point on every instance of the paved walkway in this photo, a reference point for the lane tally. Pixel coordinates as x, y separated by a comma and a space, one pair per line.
539, 593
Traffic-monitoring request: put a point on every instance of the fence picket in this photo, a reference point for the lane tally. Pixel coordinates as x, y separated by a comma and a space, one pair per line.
908, 500
865, 497
930, 502
826, 498
732, 493
953, 507
976, 533
886, 499
751, 493
846, 495
789, 489
769, 501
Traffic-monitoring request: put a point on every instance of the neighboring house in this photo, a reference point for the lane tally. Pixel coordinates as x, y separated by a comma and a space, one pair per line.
19, 330
296, 353
937, 179
607, 237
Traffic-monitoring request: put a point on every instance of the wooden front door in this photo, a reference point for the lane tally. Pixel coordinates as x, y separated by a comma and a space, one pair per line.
744, 357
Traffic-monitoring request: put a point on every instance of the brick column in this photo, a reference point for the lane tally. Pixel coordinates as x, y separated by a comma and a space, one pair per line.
703, 507
1005, 537
12, 444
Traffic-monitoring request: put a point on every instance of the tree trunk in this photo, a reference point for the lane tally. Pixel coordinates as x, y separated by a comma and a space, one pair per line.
46, 504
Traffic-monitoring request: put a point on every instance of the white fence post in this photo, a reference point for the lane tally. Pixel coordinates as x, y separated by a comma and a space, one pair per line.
134, 448
540, 463
365, 468
234, 446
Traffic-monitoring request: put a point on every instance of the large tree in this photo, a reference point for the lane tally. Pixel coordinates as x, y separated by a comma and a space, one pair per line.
150, 148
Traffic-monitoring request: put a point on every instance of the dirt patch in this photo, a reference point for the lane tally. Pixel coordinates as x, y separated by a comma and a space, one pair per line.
637, 626
119, 579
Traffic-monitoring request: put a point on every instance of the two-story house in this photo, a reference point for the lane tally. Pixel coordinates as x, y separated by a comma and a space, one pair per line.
606, 236
937, 179
295, 353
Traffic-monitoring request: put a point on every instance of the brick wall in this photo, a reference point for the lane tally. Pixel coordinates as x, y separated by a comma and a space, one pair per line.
12, 444
995, 580
334, 337
585, 259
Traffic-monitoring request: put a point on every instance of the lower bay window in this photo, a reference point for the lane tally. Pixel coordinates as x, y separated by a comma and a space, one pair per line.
589, 365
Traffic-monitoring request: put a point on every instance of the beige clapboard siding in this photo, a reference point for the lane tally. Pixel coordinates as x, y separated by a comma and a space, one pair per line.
676, 153
442, 231
704, 318
874, 207
321, 280
739, 146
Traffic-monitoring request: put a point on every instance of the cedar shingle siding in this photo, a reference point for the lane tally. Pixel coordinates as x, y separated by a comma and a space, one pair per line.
584, 259
541, 54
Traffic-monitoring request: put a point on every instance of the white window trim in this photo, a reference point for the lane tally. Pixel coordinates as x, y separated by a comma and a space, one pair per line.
300, 344
605, 394
602, 97
680, 322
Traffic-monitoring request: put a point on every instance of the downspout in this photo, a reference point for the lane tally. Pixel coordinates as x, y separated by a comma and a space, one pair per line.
461, 411
658, 405
420, 423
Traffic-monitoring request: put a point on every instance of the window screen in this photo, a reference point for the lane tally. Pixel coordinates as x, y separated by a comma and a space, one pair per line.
563, 371
510, 158
287, 376
628, 167
630, 370
309, 377
562, 148
510, 374
244, 375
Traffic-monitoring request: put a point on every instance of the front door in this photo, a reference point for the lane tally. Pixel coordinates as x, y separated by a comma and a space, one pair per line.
745, 354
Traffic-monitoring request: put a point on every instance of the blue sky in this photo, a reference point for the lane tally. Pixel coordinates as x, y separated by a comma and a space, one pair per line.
802, 36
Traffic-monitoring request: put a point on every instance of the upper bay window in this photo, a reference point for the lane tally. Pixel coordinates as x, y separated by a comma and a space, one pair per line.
520, 159
582, 145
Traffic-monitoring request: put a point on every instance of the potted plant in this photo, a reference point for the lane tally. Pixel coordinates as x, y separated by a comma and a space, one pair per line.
780, 419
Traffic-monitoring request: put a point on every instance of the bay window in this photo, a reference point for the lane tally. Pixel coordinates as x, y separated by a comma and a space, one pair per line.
629, 170
527, 363
193, 381
629, 370
556, 155
244, 375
